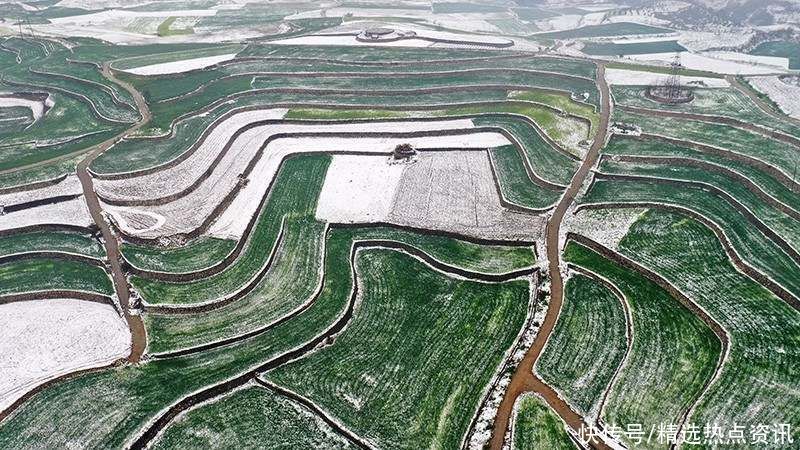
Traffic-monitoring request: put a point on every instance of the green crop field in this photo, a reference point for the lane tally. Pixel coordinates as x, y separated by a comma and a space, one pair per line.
536, 427
592, 323
604, 30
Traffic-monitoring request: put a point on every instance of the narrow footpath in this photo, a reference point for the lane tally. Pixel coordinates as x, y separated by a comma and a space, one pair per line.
524, 380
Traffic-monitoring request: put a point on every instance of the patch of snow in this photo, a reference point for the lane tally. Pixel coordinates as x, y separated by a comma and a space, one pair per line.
778, 62
705, 62
359, 189
640, 78
785, 95
181, 66
117, 14
37, 107
72, 212
607, 226
43, 339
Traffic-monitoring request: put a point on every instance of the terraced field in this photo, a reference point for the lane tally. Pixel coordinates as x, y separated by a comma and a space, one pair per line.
289, 243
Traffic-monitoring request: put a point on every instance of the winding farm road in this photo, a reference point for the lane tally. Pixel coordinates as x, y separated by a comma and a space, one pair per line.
524, 379
135, 324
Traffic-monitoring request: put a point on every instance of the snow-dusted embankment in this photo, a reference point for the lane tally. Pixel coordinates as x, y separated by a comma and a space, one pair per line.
37, 107
43, 339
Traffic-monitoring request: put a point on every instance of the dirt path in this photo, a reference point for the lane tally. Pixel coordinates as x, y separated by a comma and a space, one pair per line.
135, 324
524, 380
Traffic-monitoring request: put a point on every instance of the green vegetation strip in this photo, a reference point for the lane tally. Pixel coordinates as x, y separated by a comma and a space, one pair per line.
198, 254
51, 242
251, 418
33, 275
591, 324
673, 355
764, 330
537, 427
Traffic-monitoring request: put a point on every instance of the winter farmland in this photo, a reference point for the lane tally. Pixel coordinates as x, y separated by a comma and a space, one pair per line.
392, 225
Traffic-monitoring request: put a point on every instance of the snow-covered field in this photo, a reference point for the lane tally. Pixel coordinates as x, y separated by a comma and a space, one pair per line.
181, 66
455, 191
37, 107
69, 186
43, 339
359, 189
705, 62
637, 78
72, 212
786, 96
703, 40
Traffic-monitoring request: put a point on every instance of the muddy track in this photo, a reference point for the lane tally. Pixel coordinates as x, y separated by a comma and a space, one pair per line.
135, 324
711, 167
623, 300
730, 155
719, 331
720, 120
153, 430
755, 274
370, 243
524, 379
768, 232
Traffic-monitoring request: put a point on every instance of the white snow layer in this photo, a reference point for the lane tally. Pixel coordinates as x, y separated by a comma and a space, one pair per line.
709, 63
116, 14
72, 212
181, 66
359, 189
785, 95
43, 339
69, 186
639, 78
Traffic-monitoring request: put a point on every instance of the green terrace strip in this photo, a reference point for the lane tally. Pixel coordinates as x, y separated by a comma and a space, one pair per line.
587, 345
674, 353
563, 103
751, 243
81, 244
253, 417
515, 185
295, 276
778, 154
759, 378
724, 102
786, 225
37, 275
537, 427
165, 87
129, 396
198, 254
38, 173
620, 145
369, 377
604, 30
294, 194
